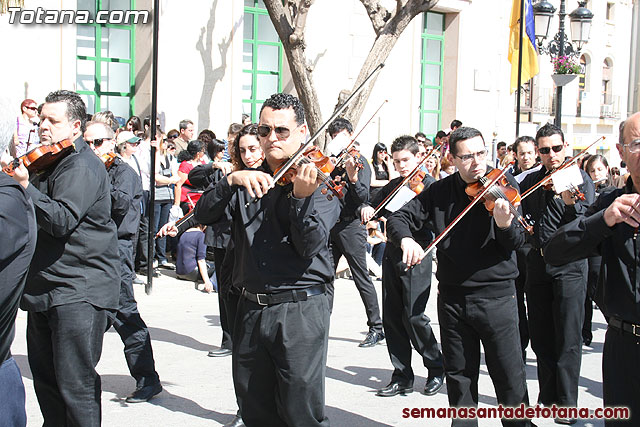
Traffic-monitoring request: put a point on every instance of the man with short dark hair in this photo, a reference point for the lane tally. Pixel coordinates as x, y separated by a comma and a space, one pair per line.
555, 294
348, 236
501, 152
73, 281
405, 293
610, 227
455, 124
186, 130
476, 273
283, 266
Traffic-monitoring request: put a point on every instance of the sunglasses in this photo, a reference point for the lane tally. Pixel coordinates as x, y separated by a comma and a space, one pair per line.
135, 144
32, 108
547, 150
98, 141
281, 131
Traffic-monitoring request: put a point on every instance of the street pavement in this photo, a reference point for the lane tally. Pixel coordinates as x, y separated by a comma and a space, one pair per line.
198, 390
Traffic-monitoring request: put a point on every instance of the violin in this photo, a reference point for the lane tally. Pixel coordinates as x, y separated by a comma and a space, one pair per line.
109, 159
41, 158
324, 167
349, 152
415, 183
501, 189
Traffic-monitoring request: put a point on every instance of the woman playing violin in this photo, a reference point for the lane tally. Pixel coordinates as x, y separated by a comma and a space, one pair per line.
476, 274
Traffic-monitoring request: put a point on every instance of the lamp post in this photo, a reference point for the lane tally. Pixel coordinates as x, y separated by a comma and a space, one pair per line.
560, 46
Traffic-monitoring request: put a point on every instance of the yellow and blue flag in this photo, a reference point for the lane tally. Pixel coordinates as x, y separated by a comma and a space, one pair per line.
529, 50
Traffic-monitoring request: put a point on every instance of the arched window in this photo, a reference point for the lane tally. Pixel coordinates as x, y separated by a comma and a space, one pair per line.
582, 83
607, 72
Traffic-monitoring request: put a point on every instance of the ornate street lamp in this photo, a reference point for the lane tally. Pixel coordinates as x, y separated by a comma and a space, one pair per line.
560, 46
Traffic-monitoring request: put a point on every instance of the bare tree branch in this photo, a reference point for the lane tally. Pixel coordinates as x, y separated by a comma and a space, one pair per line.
377, 14
300, 21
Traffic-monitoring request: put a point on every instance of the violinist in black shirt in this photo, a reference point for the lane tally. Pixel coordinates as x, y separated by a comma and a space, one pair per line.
476, 274
283, 266
126, 204
405, 293
74, 277
555, 294
610, 228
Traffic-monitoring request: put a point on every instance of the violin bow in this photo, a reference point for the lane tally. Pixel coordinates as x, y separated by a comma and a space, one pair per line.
565, 165
406, 179
353, 140
295, 157
457, 219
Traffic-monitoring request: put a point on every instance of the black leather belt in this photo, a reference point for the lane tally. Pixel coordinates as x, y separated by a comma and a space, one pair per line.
293, 295
631, 328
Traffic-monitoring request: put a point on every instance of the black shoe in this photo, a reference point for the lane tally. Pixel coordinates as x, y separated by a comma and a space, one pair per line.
433, 385
566, 421
220, 352
237, 422
586, 341
372, 339
393, 389
144, 394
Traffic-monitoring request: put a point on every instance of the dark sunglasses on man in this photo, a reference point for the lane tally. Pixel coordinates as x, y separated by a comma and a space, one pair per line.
547, 150
98, 141
281, 131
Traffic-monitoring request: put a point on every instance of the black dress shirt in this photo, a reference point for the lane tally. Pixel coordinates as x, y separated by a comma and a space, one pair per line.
425, 234
76, 257
18, 225
218, 233
548, 211
281, 242
356, 193
619, 247
476, 257
126, 199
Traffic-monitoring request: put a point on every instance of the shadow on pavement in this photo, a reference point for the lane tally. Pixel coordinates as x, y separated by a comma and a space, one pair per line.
159, 334
340, 417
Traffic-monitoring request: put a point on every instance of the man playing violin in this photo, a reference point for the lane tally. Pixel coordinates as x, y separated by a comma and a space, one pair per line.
283, 267
348, 236
476, 273
126, 199
555, 294
73, 279
610, 228
405, 293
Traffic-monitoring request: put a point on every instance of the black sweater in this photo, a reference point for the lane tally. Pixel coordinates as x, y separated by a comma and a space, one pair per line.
476, 257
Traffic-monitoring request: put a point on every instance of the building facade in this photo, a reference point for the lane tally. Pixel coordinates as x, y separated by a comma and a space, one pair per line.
219, 59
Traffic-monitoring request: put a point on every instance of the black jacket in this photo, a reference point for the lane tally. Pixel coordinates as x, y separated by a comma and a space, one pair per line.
356, 193
217, 234
281, 242
126, 199
18, 225
476, 257
620, 250
76, 257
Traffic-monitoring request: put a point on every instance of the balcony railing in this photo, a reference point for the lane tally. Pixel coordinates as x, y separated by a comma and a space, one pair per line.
610, 109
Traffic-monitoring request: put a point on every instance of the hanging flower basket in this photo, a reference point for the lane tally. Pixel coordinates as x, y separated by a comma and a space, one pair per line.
563, 79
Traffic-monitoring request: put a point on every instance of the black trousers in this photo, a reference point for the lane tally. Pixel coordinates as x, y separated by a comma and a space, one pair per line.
521, 281
218, 256
556, 311
141, 245
64, 345
465, 322
279, 362
404, 298
130, 326
593, 273
620, 376
349, 238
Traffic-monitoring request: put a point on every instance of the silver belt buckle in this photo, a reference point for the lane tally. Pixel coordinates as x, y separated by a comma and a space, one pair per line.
258, 298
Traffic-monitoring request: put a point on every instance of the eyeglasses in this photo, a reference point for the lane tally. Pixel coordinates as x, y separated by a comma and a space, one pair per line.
633, 146
282, 132
171, 147
135, 144
32, 108
480, 155
97, 142
547, 150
